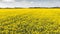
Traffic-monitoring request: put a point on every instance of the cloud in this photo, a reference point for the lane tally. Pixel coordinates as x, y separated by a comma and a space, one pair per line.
8, 0
30, 3
4, 5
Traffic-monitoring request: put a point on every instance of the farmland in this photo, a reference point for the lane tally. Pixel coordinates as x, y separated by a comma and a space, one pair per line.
29, 21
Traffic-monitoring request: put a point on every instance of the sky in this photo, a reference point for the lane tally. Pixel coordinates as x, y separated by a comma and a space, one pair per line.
29, 3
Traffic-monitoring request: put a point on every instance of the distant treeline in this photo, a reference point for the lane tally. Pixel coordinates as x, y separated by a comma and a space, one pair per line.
27, 7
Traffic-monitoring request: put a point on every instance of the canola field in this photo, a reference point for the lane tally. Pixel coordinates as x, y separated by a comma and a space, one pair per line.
29, 21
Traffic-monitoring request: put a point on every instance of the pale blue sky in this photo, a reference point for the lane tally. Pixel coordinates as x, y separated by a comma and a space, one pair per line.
29, 3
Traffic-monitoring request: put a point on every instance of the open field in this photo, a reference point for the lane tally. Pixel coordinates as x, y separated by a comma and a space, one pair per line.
29, 21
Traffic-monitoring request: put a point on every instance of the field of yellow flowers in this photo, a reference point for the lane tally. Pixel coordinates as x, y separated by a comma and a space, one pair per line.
29, 21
